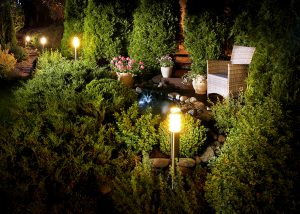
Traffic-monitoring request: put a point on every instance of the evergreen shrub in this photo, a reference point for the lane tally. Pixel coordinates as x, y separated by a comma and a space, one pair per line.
73, 24
56, 148
144, 190
155, 28
107, 29
226, 113
19, 52
138, 132
252, 172
191, 140
203, 40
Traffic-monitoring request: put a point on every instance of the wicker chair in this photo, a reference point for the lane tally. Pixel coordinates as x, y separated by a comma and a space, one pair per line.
229, 77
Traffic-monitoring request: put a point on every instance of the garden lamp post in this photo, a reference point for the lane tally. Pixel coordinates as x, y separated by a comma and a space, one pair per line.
76, 45
27, 40
174, 127
43, 41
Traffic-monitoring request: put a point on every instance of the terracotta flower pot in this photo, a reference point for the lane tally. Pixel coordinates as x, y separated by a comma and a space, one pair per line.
126, 79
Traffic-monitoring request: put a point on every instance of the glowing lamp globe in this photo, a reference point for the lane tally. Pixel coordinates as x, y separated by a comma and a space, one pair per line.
76, 42
43, 40
175, 120
27, 38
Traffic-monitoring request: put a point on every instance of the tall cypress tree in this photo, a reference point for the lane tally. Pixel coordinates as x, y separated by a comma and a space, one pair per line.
7, 33
155, 29
107, 28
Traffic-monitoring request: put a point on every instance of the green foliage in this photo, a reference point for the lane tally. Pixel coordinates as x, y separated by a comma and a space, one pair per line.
7, 29
7, 63
137, 131
252, 173
191, 139
145, 191
133, 191
226, 113
56, 148
107, 29
17, 15
73, 24
154, 33
203, 40
106, 96
19, 52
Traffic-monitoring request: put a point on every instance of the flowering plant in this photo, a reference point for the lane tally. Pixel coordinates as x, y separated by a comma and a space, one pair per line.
126, 65
166, 61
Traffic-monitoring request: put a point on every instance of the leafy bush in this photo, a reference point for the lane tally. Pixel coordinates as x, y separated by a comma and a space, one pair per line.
203, 40
252, 173
107, 29
19, 52
7, 63
226, 113
191, 140
146, 191
155, 27
138, 132
56, 148
108, 96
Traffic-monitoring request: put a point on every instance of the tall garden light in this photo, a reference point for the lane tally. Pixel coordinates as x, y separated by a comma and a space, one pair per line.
174, 127
27, 40
76, 45
43, 41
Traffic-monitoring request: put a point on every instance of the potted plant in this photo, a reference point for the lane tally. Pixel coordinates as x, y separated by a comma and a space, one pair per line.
166, 65
125, 68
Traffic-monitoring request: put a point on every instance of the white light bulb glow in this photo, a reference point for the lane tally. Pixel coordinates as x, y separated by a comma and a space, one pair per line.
43, 40
27, 38
76, 42
175, 120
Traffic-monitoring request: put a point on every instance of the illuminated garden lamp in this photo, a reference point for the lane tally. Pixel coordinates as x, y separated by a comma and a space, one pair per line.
27, 40
76, 45
43, 41
174, 127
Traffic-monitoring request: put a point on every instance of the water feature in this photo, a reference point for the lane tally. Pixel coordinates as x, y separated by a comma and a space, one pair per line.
157, 100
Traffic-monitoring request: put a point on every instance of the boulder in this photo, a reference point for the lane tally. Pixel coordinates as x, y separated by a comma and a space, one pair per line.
138, 90
207, 155
206, 115
221, 138
199, 105
173, 95
186, 162
183, 98
193, 99
160, 162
